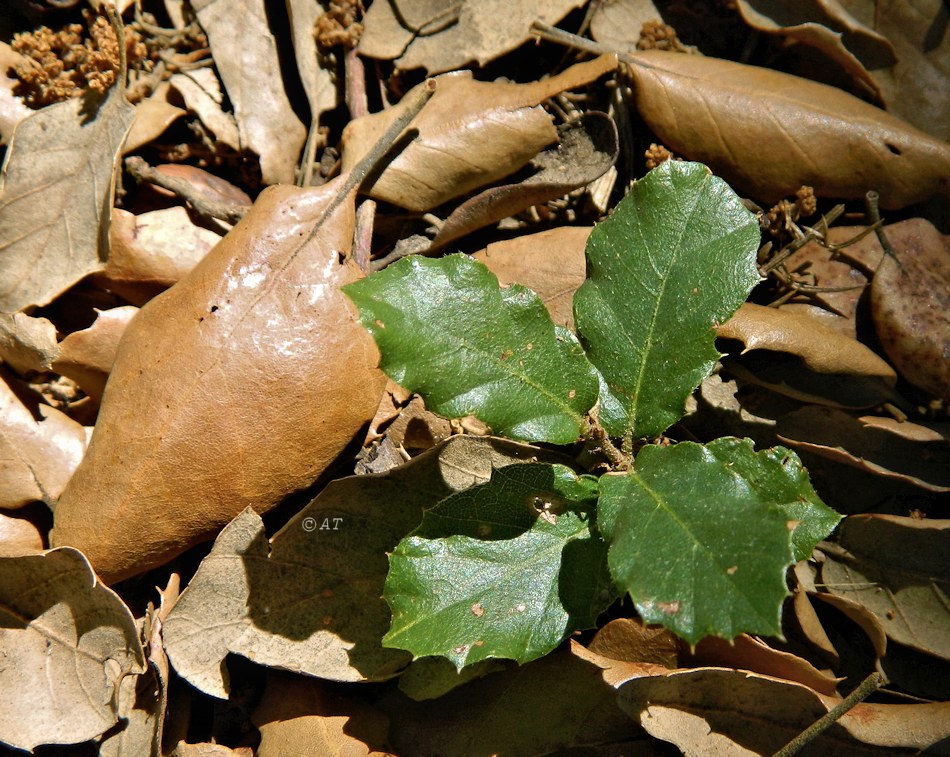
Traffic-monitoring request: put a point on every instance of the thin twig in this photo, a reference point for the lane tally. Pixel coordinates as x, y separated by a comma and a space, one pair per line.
867, 687
142, 171
870, 202
369, 161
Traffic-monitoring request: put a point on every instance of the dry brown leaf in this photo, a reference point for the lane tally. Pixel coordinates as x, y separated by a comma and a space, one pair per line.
440, 36
245, 55
87, 356
201, 91
19, 534
12, 108
68, 155
858, 614
820, 348
708, 711
548, 706
630, 641
617, 24
39, 449
183, 749
897, 568
470, 134
792, 132
27, 344
902, 451
918, 32
587, 148
748, 653
825, 25
65, 656
552, 263
236, 387
151, 251
910, 303
300, 716
152, 117
311, 600
317, 72
207, 185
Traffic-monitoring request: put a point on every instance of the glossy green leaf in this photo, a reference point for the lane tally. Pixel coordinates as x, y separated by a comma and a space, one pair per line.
447, 331
506, 569
778, 477
697, 545
676, 257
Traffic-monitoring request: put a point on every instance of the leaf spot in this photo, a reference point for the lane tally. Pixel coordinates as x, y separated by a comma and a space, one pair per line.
478, 610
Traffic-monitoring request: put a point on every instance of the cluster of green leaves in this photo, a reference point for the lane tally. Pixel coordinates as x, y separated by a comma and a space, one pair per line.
699, 536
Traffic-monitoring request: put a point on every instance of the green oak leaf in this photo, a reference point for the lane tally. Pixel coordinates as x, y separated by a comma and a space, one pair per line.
700, 548
677, 256
778, 477
506, 569
448, 331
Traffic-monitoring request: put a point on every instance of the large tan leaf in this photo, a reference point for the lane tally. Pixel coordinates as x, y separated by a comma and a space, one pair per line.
712, 711
441, 36
39, 449
471, 133
235, 387
66, 642
791, 132
57, 192
246, 56
201, 91
910, 302
12, 108
311, 600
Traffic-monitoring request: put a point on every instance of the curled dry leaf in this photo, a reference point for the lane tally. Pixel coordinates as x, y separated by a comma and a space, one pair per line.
19, 534
588, 147
152, 117
820, 348
69, 154
707, 710
552, 263
827, 27
792, 132
618, 24
207, 185
39, 449
236, 387
72, 643
910, 303
87, 356
317, 72
152, 251
303, 716
201, 91
440, 36
918, 33
27, 344
905, 451
897, 568
470, 134
632, 641
311, 600
245, 55
12, 108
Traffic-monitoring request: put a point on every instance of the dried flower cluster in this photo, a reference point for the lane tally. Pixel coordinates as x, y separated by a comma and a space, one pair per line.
655, 35
656, 155
64, 64
338, 26
781, 217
